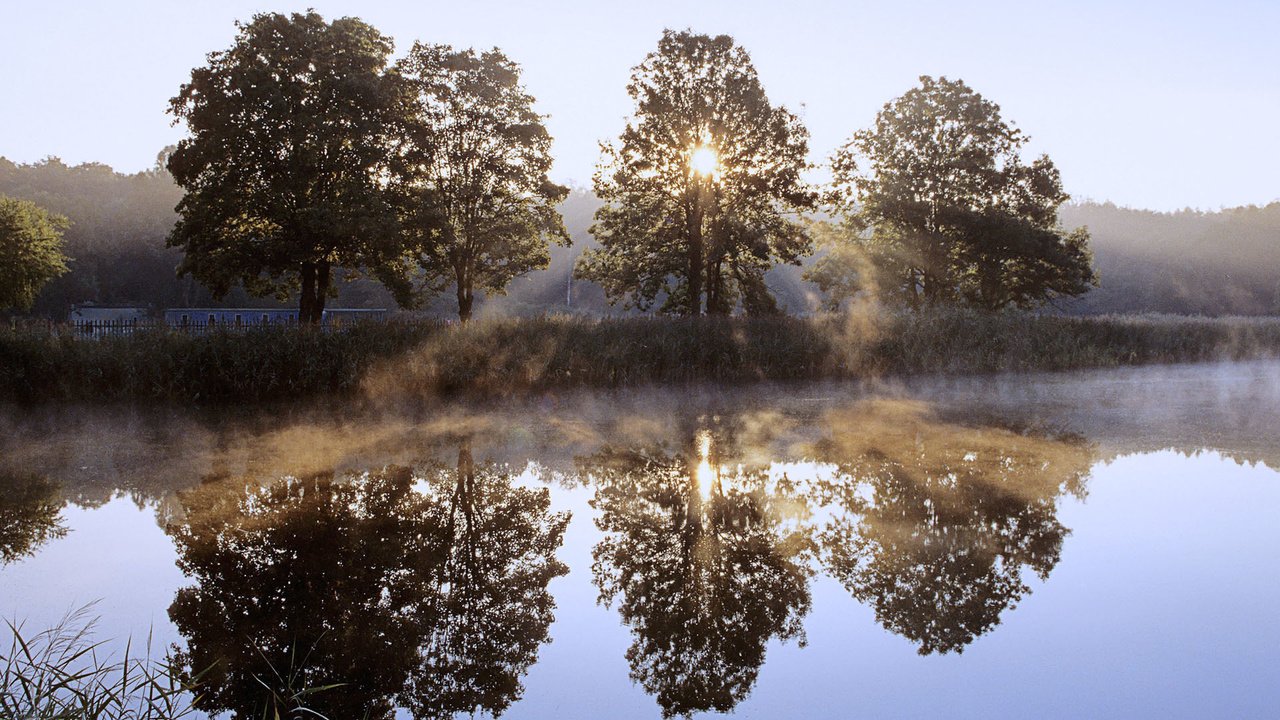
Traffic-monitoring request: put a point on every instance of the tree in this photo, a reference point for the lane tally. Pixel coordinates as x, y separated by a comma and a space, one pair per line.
699, 191
941, 207
476, 157
30, 251
286, 164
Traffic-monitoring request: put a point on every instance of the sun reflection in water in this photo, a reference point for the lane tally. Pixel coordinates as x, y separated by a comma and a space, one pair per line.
705, 474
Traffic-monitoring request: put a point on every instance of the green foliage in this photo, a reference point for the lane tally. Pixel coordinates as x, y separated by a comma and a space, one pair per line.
61, 674
475, 158
117, 235
30, 251
289, 137
942, 208
669, 227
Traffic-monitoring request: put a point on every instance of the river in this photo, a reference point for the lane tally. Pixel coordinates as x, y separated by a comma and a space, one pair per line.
1093, 544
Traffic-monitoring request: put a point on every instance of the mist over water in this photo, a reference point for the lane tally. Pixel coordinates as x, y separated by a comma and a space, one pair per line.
816, 549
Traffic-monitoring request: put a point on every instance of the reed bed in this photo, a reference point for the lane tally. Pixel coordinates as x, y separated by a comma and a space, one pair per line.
509, 356
62, 674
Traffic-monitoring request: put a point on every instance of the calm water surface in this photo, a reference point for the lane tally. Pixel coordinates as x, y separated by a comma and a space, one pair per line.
1099, 544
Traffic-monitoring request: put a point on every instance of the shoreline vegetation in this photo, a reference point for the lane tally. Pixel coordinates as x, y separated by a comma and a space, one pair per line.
426, 359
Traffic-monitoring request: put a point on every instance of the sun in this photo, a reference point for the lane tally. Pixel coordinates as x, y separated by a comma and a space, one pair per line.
703, 160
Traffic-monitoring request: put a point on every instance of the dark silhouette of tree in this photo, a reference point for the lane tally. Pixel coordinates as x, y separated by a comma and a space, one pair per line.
30, 514
286, 166
499, 545
476, 157
30, 251
939, 521
352, 596
705, 575
699, 191
938, 199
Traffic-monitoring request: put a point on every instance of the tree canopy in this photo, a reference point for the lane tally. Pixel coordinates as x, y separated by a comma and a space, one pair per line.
30, 251
475, 158
700, 189
941, 207
286, 164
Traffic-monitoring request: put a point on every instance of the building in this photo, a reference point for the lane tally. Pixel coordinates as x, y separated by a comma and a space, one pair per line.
98, 321
89, 313
202, 318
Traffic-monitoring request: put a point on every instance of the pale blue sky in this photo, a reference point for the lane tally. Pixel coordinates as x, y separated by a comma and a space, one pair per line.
1156, 105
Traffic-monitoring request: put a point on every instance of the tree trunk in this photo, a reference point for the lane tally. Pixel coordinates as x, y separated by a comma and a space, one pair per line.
322, 290
695, 268
717, 304
315, 290
307, 297
465, 296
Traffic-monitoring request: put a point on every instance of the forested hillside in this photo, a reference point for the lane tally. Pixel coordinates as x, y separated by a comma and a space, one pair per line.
1211, 263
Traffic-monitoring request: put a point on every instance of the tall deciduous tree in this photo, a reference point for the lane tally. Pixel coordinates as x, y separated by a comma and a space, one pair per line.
30, 251
285, 169
699, 192
476, 157
938, 199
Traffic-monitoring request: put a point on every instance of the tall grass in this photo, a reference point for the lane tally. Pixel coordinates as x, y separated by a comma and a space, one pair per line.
224, 366
506, 356
511, 356
62, 674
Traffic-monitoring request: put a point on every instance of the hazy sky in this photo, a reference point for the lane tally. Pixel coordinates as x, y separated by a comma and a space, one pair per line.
1157, 105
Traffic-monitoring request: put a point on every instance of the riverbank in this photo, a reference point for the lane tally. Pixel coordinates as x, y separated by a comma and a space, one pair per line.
511, 356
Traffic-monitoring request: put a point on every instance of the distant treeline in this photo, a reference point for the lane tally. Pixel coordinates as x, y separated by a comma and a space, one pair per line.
1188, 262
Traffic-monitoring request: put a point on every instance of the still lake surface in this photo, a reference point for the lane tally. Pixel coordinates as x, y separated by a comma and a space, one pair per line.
1093, 544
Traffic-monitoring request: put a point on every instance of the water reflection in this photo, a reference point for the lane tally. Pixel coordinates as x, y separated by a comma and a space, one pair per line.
496, 555
933, 523
30, 514
705, 567
426, 590
708, 553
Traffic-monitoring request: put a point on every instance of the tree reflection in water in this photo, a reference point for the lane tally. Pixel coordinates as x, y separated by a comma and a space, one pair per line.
931, 523
706, 568
30, 514
499, 545
426, 590
934, 523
